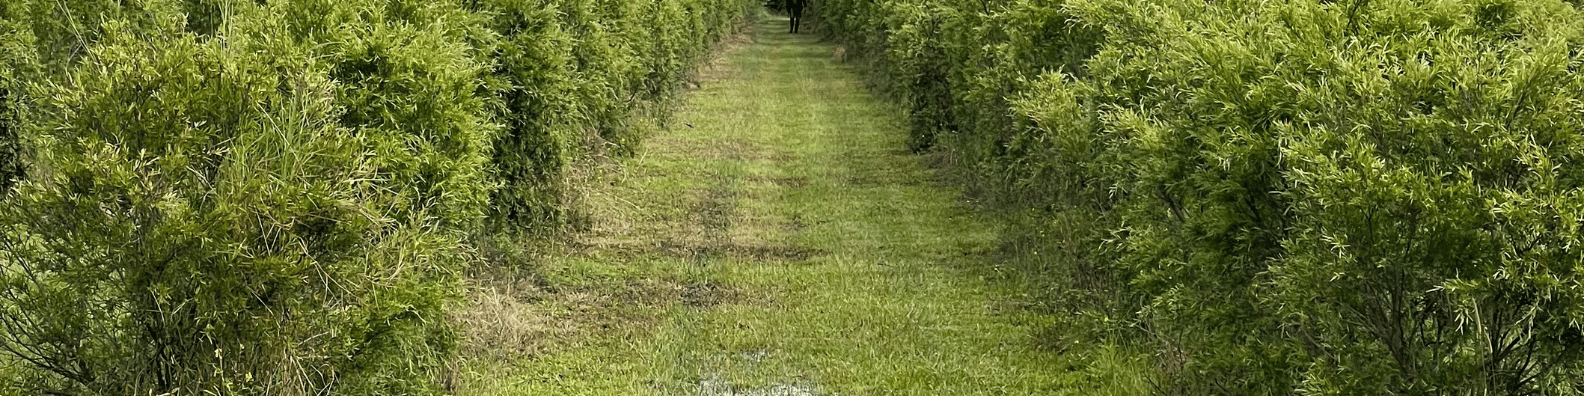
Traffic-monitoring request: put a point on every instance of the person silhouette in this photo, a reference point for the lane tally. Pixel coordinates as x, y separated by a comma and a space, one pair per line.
795, 9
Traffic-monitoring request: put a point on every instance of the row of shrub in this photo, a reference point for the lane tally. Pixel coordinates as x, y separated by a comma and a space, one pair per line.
1275, 197
278, 196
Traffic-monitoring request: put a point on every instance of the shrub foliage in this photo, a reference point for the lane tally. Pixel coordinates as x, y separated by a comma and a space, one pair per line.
277, 197
1333, 197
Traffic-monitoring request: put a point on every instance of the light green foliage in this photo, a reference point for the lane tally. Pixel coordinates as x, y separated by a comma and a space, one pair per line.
410, 83
199, 219
64, 30
1352, 197
268, 197
531, 153
38, 37
16, 61
569, 72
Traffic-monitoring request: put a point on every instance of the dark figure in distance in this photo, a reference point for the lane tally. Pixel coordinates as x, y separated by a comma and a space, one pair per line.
795, 9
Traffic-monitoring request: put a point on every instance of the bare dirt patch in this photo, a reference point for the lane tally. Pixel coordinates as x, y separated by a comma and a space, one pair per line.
713, 385
697, 251
795, 223
737, 151
708, 294
715, 212
693, 294
788, 181
771, 253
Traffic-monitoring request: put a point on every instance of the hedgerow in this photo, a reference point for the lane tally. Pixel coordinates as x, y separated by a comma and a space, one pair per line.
1351, 197
570, 73
16, 57
279, 197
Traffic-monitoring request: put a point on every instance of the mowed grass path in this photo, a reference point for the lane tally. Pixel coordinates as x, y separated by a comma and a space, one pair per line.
777, 234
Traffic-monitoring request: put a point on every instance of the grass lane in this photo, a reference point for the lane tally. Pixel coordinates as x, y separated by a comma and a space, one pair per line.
776, 234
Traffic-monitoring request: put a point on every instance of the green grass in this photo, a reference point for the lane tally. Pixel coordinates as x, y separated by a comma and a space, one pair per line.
778, 232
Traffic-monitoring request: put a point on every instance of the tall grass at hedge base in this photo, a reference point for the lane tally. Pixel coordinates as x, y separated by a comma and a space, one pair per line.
1352, 197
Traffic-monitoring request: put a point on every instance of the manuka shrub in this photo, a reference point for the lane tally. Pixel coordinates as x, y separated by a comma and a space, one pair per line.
411, 79
64, 30
16, 62
227, 216
603, 64
536, 110
1352, 197
276, 197
566, 76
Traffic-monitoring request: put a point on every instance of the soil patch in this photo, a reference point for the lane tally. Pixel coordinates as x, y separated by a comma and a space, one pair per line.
697, 294
712, 385
700, 251
790, 182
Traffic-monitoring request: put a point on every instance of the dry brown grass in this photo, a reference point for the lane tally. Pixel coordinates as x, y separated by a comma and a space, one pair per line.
500, 321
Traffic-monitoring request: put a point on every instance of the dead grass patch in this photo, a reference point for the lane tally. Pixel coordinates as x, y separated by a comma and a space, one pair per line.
500, 320
504, 320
